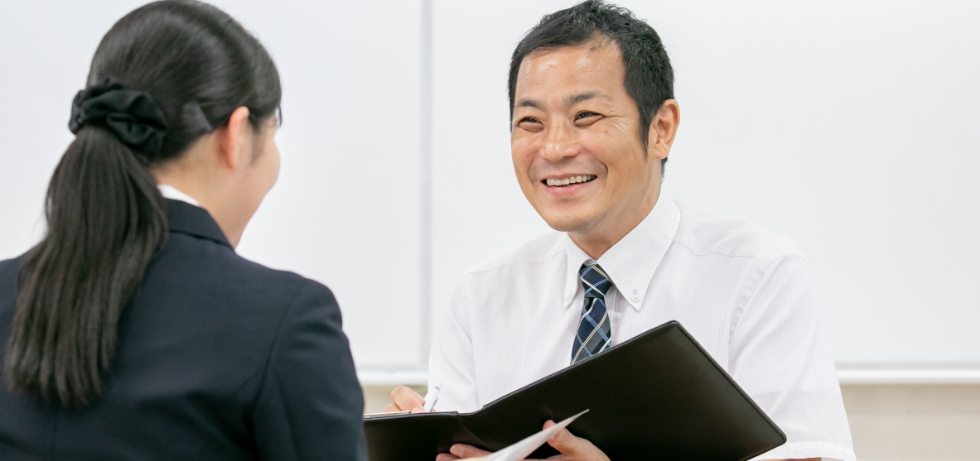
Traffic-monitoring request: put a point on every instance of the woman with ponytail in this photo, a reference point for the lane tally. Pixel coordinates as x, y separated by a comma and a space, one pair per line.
133, 331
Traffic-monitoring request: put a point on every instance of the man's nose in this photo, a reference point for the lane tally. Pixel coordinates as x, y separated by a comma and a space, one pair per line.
559, 143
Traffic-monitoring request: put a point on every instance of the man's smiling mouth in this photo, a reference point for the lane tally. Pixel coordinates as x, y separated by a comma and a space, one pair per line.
569, 181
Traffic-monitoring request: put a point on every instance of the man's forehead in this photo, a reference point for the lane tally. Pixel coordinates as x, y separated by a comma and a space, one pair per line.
595, 43
580, 54
578, 73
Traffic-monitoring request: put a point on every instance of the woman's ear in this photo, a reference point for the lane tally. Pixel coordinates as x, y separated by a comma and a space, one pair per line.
663, 128
235, 142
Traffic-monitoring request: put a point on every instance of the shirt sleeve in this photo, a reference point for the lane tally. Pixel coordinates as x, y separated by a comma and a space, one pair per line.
779, 357
451, 363
310, 404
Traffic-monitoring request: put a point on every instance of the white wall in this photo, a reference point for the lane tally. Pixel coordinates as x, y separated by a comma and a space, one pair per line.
345, 209
850, 127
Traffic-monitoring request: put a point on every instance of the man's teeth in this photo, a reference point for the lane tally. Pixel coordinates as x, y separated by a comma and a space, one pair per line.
567, 181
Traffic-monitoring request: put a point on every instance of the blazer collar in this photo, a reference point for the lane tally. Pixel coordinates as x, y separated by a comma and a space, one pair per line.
185, 218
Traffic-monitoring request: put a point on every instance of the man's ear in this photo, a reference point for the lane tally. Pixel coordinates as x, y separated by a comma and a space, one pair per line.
234, 141
663, 128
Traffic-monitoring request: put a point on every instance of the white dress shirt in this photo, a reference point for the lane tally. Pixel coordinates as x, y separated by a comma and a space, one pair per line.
746, 294
173, 193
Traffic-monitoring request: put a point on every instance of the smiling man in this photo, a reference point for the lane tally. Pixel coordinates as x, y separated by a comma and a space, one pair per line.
593, 120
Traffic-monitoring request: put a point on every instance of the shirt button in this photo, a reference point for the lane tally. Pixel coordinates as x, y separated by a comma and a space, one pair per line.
636, 298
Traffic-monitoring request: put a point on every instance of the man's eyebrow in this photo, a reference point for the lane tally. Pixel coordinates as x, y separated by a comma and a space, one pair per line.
571, 100
575, 99
529, 103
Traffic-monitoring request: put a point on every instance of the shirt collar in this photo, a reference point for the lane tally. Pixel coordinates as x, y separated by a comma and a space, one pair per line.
173, 193
632, 261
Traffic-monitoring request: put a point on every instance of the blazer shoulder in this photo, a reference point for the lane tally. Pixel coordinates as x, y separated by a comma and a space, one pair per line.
234, 288
187, 253
8, 289
303, 288
8, 273
9, 268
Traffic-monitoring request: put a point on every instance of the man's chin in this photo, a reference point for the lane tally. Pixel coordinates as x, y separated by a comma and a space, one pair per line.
567, 222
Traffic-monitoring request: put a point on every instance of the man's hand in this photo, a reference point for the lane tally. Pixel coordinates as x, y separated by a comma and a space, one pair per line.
571, 448
405, 399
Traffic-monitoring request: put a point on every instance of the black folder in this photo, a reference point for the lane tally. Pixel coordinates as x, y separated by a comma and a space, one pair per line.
658, 396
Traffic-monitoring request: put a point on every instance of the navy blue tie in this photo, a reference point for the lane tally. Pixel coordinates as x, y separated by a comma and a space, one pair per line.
594, 330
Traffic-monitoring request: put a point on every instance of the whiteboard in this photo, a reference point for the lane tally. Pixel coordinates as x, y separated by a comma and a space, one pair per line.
849, 127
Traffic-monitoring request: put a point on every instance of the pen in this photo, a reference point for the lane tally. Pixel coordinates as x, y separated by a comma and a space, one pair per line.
431, 398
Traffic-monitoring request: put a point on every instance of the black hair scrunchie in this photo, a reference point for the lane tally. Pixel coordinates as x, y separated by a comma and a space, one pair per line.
131, 114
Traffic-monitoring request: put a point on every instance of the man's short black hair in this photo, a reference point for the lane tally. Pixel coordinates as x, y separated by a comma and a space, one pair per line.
649, 78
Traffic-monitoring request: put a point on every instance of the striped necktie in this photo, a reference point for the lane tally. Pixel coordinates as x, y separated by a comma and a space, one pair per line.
594, 328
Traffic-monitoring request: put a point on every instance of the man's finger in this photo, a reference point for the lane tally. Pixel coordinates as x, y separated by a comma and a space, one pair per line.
446, 457
467, 451
564, 441
574, 447
390, 408
406, 399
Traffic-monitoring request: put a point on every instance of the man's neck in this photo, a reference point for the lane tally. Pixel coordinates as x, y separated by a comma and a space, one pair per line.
596, 241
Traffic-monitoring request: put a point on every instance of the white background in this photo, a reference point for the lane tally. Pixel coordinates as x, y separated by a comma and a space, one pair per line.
851, 127
345, 209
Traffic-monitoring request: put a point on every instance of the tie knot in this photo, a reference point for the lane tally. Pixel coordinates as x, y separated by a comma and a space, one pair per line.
594, 280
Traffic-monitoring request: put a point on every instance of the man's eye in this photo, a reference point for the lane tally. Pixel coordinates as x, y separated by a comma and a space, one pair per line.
585, 114
529, 123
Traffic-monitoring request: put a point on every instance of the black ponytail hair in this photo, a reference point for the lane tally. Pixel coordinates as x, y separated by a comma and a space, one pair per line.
106, 217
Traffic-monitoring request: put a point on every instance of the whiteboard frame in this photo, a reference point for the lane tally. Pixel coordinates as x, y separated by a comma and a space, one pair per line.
869, 375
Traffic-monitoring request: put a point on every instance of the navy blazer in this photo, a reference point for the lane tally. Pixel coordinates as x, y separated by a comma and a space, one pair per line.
218, 358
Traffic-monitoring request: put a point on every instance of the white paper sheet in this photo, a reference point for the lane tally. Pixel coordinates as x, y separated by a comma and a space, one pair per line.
520, 450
